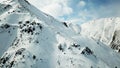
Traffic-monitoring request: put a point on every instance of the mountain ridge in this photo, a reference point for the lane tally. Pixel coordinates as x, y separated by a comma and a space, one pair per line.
104, 30
34, 40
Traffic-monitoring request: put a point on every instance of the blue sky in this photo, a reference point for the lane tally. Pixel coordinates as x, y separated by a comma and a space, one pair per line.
78, 11
94, 9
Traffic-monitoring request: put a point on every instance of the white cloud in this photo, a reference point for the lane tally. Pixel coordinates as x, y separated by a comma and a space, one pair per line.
87, 14
74, 20
55, 8
82, 3
67, 10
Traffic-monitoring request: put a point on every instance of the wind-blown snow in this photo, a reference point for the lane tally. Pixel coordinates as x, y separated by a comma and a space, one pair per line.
30, 38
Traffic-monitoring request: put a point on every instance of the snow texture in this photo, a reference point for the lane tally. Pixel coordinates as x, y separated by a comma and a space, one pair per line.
30, 38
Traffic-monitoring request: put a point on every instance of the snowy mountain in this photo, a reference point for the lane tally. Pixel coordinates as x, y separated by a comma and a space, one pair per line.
30, 38
106, 30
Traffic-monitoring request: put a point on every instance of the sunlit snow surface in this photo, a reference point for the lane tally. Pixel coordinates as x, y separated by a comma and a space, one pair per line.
30, 38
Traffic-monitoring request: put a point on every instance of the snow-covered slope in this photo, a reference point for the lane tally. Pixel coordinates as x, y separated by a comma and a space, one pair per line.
106, 30
30, 38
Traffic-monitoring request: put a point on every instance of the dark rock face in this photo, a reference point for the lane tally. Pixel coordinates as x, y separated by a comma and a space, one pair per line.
115, 44
62, 47
19, 52
5, 26
87, 51
29, 27
65, 24
3, 60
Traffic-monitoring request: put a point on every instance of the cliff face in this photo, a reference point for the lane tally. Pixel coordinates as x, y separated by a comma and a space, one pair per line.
105, 30
30, 38
115, 43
